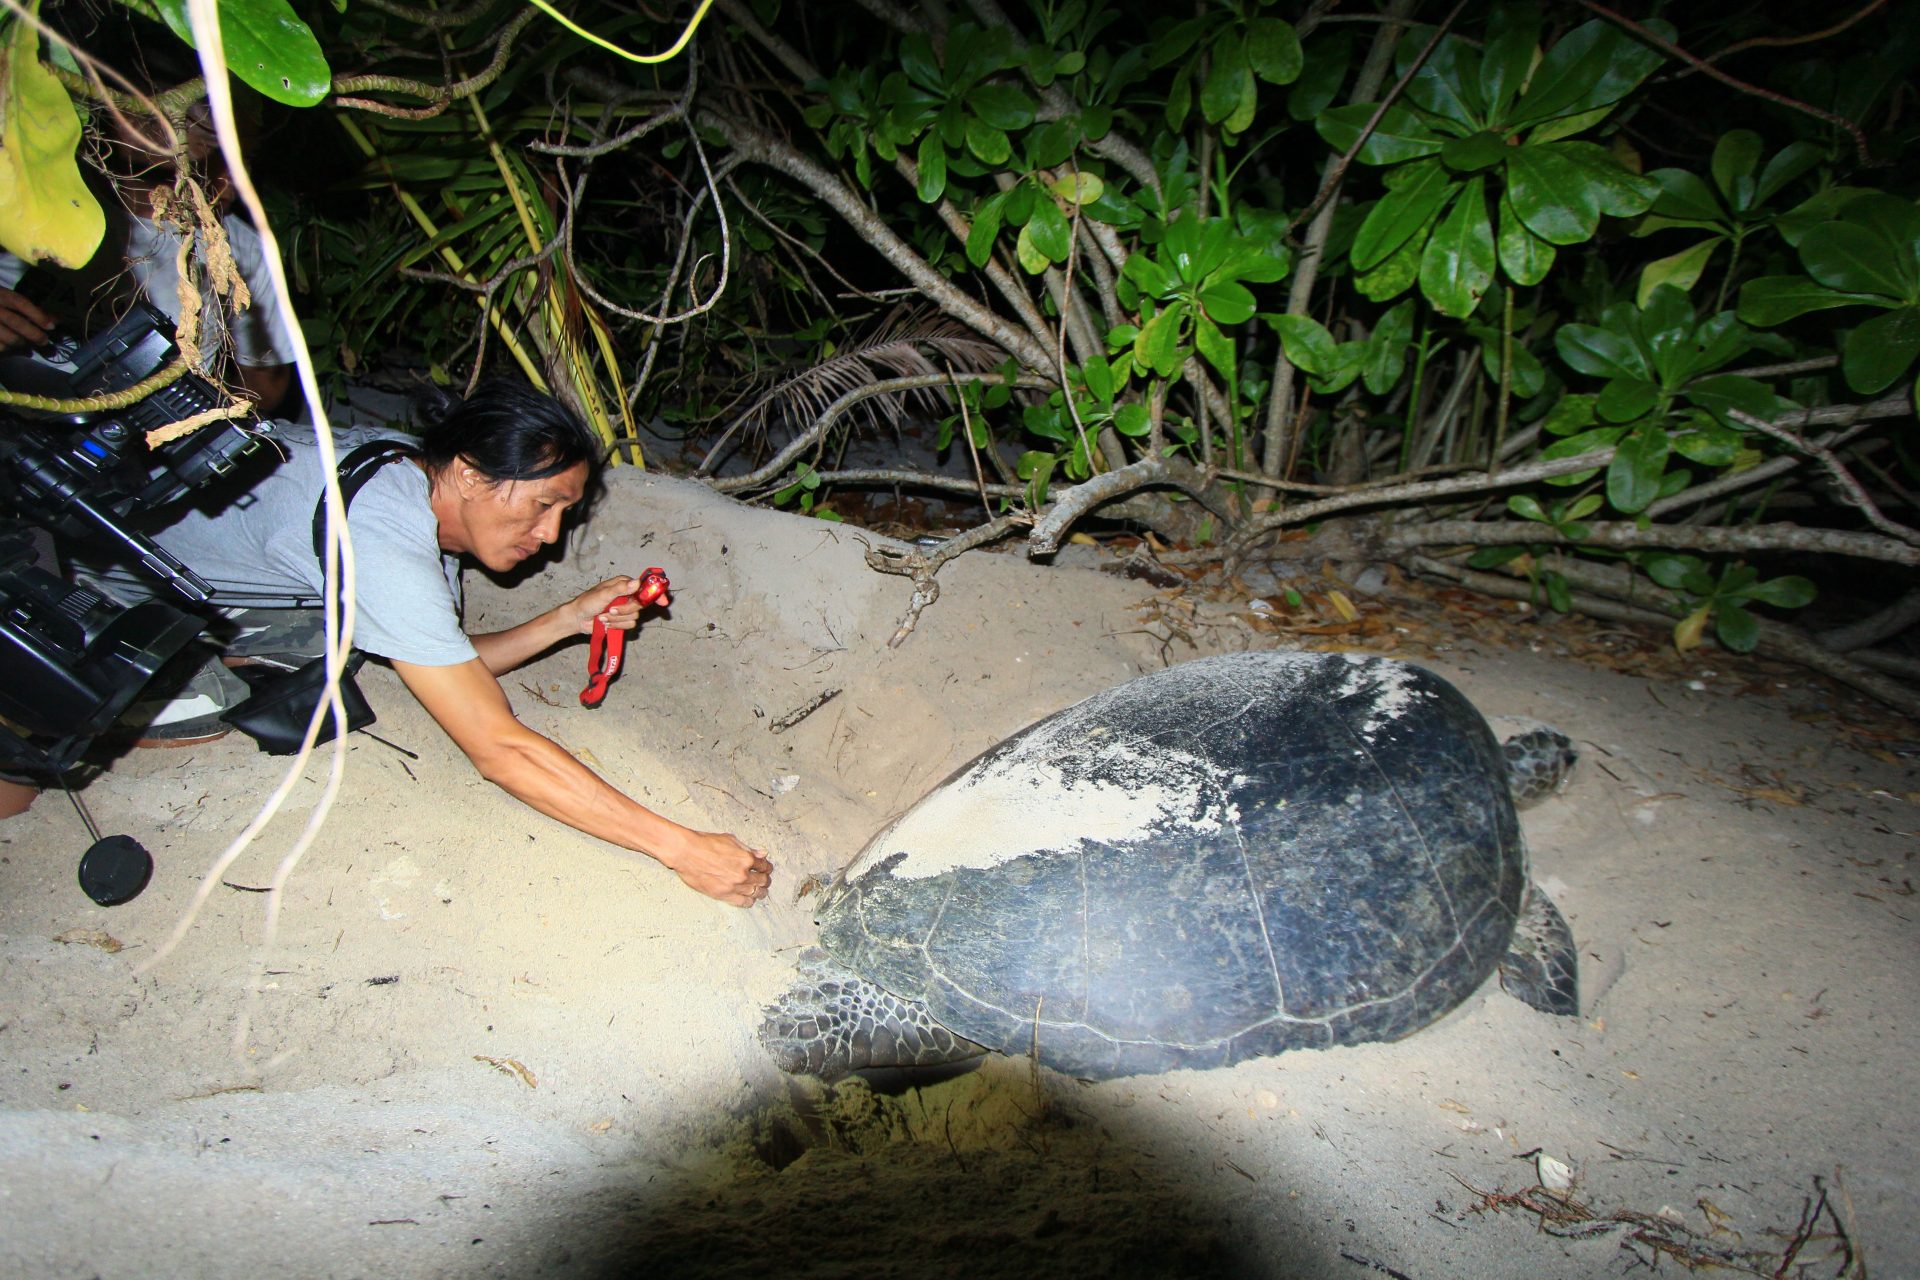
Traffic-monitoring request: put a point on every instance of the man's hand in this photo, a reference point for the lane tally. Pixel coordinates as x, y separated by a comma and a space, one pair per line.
591, 606
719, 866
22, 324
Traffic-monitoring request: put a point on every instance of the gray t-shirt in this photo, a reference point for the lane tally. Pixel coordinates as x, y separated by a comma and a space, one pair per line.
256, 550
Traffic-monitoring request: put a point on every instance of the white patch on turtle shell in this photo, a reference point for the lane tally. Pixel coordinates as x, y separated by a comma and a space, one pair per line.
1392, 687
1021, 806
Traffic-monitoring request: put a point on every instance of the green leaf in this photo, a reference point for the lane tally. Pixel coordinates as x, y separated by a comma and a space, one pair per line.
1602, 353
1633, 478
1793, 160
46, 211
1387, 349
1228, 81
933, 169
1626, 400
1525, 257
1051, 144
1228, 302
1790, 592
1685, 198
1032, 260
1273, 50
1527, 507
1772, 300
1458, 263
1214, 345
1682, 270
1710, 445
1132, 419
1513, 37
922, 67
1726, 391
1472, 154
1857, 259
986, 227
267, 46
1003, 106
1559, 594
1320, 79
1306, 342
1879, 351
1079, 188
1394, 276
1678, 573
1158, 346
990, 144
1737, 629
1494, 557
1591, 66
1423, 189
1400, 135
1098, 375
1735, 156
1052, 234
1447, 85
1149, 276
1569, 414
1550, 195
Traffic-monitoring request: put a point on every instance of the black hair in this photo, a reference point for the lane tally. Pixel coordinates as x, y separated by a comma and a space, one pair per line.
505, 429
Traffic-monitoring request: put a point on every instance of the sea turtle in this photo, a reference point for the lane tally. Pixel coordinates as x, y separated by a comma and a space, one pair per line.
1229, 858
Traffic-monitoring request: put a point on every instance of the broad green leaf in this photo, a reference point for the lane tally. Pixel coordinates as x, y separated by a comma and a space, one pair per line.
1214, 346
1567, 126
1737, 629
1394, 276
1447, 84
1681, 270
1228, 82
1458, 263
1098, 375
1158, 346
1575, 445
933, 169
922, 67
1569, 414
1678, 572
1591, 66
1879, 351
1626, 400
1735, 156
1726, 391
1132, 419
1306, 342
986, 227
1387, 349
1524, 256
1051, 144
1228, 302
1475, 152
1639, 460
1400, 135
1079, 188
1052, 234
1856, 259
1551, 195
1273, 50
990, 144
1774, 300
1513, 38
1528, 378
1406, 209
1710, 445
1790, 592
1032, 260
1584, 507
46, 211
1793, 160
1616, 190
1559, 593
1148, 275
1001, 105
1894, 218
1527, 507
267, 46
1685, 198
1321, 77
1603, 353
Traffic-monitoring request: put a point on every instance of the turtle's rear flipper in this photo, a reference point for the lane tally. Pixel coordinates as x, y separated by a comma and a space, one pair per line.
1538, 761
1540, 966
833, 1022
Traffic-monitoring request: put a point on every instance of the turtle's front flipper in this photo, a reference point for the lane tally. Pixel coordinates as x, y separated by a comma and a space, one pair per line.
1540, 966
834, 1022
1538, 761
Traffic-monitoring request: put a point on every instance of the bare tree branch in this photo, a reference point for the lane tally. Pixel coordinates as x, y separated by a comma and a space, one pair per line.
1764, 537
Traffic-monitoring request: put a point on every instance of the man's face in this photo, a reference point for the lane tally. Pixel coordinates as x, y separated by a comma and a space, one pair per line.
503, 523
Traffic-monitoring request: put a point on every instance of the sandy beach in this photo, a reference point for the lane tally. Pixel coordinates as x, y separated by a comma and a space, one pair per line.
479, 1043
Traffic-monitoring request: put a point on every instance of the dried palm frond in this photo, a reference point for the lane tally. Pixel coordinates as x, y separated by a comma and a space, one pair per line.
909, 342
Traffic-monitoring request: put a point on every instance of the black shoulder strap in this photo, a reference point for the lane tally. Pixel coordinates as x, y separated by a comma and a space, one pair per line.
354, 471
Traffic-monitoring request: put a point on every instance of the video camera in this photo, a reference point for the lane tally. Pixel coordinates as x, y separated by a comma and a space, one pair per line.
71, 658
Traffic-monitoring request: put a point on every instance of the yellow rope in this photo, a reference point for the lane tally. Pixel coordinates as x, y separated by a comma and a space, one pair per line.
610, 47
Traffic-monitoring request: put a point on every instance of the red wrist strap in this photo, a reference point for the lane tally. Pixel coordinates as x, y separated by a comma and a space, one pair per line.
604, 650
